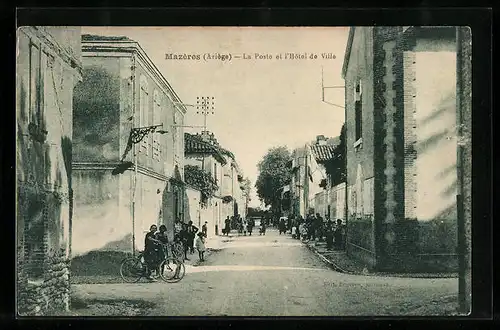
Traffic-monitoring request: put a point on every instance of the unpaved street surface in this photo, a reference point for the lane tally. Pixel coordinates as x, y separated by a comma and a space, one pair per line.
276, 275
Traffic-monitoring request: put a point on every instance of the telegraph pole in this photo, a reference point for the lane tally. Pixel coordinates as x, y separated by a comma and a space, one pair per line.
205, 107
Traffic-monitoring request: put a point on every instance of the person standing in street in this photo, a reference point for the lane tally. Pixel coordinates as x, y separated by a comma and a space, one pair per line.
251, 224
200, 246
339, 235
192, 230
227, 228
319, 227
204, 229
263, 225
163, 238
177, 227
184, 237
282, 226
329, 234
151, 251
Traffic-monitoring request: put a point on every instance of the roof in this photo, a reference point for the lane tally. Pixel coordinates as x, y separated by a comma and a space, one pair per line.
323, 152
94, 37
194, 144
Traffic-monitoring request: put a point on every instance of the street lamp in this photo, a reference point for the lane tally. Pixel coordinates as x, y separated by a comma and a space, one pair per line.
137, 134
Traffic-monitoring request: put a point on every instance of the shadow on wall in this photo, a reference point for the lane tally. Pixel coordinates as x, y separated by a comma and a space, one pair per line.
187, 213
97, 96
440, 234
105, 260
446, 106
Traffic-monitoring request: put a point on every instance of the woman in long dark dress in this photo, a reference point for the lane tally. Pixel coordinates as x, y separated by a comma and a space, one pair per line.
227, 228
185, 237
282, 226
339, 235
192, 230
263, 224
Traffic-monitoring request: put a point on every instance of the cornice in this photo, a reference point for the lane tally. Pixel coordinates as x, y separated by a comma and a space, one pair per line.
45, 37
133, 47
89, 166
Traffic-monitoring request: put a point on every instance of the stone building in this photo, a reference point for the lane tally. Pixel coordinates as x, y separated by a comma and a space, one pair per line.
322, 152
48, 67
400, 85
204, 152
309, 177
122, 90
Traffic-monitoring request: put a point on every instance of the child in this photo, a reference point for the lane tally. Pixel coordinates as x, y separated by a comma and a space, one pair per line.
200, 245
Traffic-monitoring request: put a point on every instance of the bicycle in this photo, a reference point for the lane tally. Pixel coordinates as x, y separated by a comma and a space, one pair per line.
177, 249
170, 269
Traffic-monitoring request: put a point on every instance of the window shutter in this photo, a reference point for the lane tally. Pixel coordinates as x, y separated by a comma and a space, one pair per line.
357, 92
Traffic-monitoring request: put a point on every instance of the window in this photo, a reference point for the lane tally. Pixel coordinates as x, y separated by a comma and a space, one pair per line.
156, 120
358, 101
143, 113
215, 172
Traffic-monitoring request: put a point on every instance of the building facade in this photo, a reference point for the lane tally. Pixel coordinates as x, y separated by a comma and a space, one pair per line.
122, 91
202, 150
310, 182
400, 85
48, 67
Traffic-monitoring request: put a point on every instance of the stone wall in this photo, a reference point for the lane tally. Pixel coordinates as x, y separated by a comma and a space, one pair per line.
47, 296
45, 83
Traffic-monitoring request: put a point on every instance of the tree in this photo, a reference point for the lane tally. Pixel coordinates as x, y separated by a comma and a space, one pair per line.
335, 167
247, 187
274, 173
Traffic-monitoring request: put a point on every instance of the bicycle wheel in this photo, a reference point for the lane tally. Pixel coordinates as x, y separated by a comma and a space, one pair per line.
172, 270
131, 270
178, 251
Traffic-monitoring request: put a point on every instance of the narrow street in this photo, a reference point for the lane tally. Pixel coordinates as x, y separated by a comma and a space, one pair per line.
274, 275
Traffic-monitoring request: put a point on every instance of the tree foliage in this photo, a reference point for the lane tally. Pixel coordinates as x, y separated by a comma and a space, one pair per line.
335, 167
247, 187
274, 173
201, 180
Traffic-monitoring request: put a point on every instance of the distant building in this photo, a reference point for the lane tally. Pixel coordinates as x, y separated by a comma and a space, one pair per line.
310, 180
401, 147
122, 90
325, 200
48, 67
204, 153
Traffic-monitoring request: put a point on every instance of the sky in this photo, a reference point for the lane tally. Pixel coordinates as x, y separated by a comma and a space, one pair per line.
260, 103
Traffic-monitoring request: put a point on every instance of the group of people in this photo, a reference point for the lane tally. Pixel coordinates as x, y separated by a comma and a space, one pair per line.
241, 225
315, 227
156, 243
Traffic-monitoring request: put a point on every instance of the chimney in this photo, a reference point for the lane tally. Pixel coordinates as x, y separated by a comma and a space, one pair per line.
205, 136
321, 140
